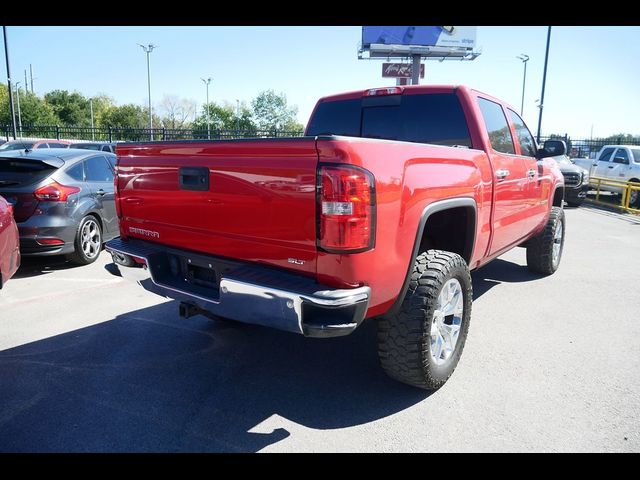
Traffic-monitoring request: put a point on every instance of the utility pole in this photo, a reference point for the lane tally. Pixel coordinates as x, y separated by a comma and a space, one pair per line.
31, 74
26, 84
525, 59
6, 57
207, 82
93, 133
19, 114
148, 49
544, 81
415, 70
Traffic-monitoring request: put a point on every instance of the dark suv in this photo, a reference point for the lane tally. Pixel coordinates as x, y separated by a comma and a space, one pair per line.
63, 200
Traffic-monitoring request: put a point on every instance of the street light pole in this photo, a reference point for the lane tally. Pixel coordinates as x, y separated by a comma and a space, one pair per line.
207, 82
237, 117
544, 81
19, 114
148, 49
6, 57
525, 59
93, 133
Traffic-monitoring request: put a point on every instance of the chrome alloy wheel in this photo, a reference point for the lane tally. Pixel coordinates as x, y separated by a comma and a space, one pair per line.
447, 318
557, 244
90, 239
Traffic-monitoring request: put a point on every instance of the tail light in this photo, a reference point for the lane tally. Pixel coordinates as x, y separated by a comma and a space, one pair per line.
117, 193
49, 241
10, 210
346, 209
54, 192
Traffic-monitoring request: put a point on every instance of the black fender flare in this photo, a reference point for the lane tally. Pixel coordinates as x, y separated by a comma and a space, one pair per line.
438, 206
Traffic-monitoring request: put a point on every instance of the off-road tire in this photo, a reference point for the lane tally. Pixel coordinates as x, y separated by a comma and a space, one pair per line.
404, 337
540, 247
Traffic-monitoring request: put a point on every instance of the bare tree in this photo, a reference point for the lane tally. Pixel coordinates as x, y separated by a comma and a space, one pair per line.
177, 112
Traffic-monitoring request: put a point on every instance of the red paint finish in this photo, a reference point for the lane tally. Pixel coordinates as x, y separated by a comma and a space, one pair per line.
9, 242
262, 206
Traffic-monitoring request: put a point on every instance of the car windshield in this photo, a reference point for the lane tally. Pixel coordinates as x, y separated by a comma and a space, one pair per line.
17, 145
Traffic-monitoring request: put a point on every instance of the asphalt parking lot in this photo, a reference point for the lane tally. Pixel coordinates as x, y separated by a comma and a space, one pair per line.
89, 362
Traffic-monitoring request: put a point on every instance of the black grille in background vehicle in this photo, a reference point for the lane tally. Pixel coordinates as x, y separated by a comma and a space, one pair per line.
572, 179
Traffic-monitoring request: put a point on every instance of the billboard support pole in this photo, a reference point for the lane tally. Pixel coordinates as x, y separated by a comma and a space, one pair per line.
415, 70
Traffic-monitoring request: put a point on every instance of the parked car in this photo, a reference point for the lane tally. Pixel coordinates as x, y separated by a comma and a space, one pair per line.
63, 200
616, 162
9, 243
398, 192
101, 146
576, 181
34, 144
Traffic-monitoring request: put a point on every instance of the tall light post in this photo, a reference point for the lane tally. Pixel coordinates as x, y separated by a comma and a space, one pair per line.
544, 81
93, 133
19, 114
525, 59
148, 49
207, 82
237, 117
9, 87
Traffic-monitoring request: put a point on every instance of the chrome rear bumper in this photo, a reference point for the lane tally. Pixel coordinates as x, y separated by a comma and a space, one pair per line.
246, 293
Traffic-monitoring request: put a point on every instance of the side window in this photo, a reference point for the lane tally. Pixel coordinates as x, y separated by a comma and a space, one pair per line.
606, 155
97, 170
525, 139
57, 145
106, 148
621, 156
76, 172
497, 126
112, 162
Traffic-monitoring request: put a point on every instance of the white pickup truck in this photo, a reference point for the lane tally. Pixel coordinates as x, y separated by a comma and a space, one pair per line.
615, 162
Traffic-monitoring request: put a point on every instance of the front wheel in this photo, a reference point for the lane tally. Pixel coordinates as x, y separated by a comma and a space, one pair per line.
421, 344
544, 251
88, 241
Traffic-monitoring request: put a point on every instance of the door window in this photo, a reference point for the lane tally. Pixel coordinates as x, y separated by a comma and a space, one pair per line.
97, 170
606, 155
621, 156
525, 139
497, 126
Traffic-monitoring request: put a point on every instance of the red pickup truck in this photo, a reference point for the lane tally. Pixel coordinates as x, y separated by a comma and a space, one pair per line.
380, 211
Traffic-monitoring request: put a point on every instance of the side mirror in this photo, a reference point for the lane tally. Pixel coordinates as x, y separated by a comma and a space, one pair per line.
552, 148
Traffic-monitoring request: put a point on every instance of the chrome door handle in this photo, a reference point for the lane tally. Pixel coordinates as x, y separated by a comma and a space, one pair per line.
531, 173
502, 173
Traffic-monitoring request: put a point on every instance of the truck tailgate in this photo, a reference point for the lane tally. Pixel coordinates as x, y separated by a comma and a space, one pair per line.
251, 200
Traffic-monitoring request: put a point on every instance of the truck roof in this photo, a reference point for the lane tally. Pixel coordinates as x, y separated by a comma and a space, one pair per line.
415, 89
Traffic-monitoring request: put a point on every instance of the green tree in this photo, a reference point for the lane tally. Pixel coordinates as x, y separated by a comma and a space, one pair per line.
71, 108
271, 112
33, 109
129, 115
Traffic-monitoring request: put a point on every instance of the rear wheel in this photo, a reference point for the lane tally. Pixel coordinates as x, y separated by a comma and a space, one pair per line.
88, 241
634, 195
544, 251
421, 344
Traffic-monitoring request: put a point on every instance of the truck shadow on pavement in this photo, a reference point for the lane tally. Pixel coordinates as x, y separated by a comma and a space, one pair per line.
500, 271
150, 381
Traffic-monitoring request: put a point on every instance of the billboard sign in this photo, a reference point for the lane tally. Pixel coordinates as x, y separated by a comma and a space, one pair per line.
420, 36
399, 70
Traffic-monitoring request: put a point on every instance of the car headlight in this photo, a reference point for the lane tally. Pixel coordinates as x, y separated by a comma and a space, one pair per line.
585, 177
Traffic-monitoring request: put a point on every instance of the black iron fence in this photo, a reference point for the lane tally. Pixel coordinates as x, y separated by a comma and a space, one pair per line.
576, 147
588, 148
113, 134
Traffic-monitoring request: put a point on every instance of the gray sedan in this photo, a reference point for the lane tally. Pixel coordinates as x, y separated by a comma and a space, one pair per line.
63, 200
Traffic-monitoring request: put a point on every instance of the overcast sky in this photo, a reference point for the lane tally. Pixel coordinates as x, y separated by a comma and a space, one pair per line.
592, 78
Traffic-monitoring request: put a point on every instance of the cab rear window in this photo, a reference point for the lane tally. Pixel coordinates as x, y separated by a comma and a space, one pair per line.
430, 118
